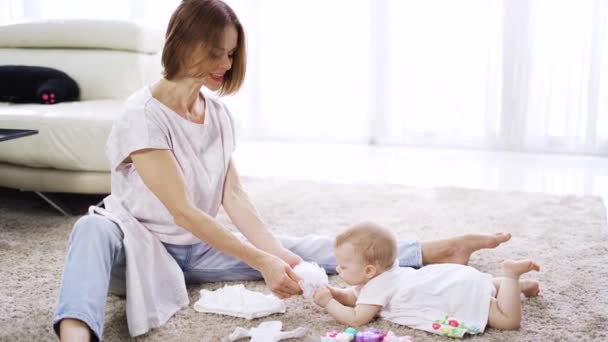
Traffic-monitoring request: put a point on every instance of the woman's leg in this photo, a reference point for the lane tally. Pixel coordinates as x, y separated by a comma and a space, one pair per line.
201, 263
458, 250
95, 246
206, 264
320, 249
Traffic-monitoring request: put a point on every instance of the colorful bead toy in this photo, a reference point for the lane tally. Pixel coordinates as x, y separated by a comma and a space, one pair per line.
367, 335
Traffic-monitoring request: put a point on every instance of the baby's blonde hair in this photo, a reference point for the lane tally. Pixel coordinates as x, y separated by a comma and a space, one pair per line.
376, 244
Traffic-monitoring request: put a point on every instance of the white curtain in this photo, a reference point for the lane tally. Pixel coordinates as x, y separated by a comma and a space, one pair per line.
521, 75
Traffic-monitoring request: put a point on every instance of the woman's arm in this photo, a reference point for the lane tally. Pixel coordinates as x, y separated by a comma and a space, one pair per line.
244, 215
161, 174
359, 315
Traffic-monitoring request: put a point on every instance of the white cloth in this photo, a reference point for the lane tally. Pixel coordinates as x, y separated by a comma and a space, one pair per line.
267, 332
238, 301
155, 285
311, 277
203, 153
445, 299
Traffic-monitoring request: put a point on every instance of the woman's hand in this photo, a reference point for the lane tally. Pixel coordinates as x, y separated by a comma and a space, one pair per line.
279, 277
289, 257
322, 296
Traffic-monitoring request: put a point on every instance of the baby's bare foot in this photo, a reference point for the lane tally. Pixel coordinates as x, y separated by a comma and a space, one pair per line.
471, 243
529, 287
515, 268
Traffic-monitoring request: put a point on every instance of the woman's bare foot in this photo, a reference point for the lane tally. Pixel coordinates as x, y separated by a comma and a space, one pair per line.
458, 250
470, 243
529, 287
515, 268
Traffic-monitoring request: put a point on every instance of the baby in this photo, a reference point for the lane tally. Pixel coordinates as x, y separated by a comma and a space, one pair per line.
445, 299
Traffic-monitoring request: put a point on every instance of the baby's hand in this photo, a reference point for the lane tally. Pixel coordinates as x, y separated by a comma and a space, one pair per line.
322, 296
334, 291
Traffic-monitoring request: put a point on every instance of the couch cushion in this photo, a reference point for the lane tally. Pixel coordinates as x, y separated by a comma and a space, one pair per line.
72, 135
83, 33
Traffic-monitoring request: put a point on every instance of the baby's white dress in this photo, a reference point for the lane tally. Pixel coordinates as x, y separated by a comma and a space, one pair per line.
445, 299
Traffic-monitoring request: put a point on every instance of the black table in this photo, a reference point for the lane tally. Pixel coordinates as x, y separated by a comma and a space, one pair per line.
8, 134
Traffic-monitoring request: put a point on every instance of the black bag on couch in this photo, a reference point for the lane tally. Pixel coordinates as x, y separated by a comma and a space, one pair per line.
33, 84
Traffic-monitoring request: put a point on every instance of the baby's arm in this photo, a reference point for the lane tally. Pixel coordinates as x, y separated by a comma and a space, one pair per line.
345, 296
359, 315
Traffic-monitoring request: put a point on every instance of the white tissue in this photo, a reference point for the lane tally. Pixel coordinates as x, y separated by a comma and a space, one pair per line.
238, 301
312, 277
267, 332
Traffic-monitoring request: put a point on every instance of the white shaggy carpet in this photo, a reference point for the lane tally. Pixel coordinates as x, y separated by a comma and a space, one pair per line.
566, 235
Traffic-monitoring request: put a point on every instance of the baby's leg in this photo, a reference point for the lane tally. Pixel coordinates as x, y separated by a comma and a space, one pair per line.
505, 310
529, 287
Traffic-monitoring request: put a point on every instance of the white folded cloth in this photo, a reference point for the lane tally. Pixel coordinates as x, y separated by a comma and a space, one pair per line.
267, 332
238, 301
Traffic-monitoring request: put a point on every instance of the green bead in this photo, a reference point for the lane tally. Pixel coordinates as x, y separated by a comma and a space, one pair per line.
351, 331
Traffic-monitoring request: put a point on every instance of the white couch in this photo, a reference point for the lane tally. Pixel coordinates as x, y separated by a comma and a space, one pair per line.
109, 60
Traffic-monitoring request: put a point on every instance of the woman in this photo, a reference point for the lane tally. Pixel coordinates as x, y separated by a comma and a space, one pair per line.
171, 169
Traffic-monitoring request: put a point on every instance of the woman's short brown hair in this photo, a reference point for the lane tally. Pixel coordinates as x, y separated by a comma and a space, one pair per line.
201, 23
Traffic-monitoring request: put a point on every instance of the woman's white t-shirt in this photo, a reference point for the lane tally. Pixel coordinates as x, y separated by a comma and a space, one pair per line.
203, 152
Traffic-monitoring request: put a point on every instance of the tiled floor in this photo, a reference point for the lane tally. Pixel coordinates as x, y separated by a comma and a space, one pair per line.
506, 171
